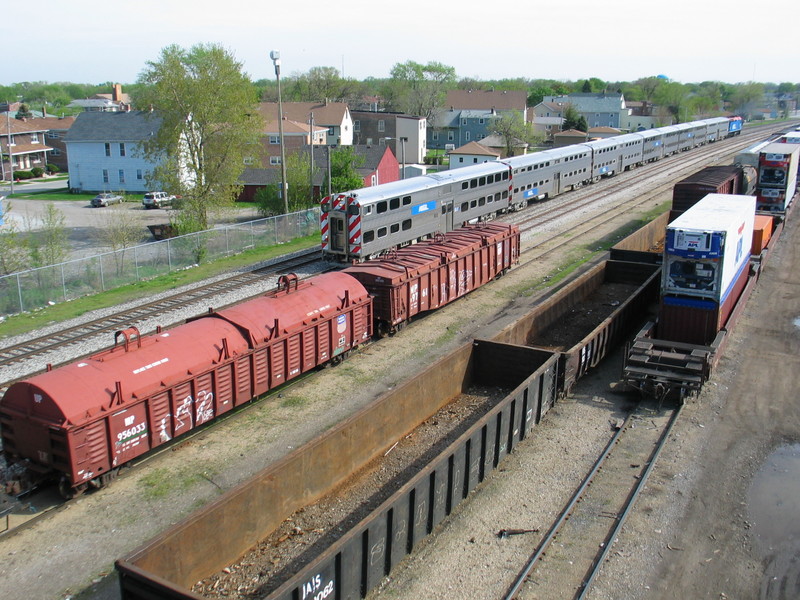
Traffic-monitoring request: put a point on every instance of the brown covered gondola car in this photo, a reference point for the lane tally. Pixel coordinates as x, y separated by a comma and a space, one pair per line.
82, 421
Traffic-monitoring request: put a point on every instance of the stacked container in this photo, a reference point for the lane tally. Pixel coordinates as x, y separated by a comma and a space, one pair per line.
777, 176
706, 265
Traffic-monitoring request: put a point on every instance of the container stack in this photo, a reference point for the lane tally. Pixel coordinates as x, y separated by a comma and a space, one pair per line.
777, 176
706, 266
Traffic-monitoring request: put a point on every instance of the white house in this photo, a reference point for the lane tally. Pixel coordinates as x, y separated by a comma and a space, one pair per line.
104, 151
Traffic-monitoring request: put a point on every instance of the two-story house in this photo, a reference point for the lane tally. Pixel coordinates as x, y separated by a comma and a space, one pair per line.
104, 151
333, 116
404, 134
548, 118
25, 143
470, 115
605, 109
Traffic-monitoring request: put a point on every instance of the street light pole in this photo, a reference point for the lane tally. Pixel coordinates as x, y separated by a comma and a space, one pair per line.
275, 55
8, 148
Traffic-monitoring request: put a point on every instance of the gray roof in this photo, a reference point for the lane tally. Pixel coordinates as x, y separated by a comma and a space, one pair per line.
588, 103
134, 126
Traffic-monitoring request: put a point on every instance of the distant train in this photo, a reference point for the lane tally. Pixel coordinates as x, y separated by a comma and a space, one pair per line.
361, 224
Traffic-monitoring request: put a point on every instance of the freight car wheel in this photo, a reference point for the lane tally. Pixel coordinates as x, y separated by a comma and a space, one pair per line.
67, 491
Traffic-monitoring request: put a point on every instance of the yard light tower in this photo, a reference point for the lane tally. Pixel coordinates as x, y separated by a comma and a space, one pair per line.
275, 55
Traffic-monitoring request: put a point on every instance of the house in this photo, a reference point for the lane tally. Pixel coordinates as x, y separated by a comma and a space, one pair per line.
334, 116
497, 143
472, 153
548, 118
113, 102
569, 137
605, 109
599, 133
450, 129
470, 116
643, 115
404, 134
104, 151
26, 142
296, 136
502, 101
380, 166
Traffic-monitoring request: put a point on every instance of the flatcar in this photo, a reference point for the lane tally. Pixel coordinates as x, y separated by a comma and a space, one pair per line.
360, 224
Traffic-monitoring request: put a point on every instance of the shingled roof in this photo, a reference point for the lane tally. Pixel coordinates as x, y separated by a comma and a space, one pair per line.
134, 126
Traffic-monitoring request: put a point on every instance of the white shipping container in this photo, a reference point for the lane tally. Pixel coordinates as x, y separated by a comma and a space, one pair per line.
708, 246
777, 176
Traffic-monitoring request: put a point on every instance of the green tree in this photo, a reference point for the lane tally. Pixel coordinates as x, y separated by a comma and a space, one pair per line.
673, 96
418, 89
571, 117
514, 131
209, 124
344, 176
746, 97
24, 112
582, 125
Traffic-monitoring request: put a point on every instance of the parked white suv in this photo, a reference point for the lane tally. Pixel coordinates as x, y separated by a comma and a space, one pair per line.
157, 199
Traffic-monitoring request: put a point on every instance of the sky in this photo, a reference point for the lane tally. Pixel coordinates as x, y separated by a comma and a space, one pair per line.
686, 40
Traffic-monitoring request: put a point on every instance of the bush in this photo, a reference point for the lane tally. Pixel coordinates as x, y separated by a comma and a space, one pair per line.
23, 175
37, 171
51, 168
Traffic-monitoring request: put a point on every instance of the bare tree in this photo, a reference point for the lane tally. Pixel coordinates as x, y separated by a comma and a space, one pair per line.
118, 229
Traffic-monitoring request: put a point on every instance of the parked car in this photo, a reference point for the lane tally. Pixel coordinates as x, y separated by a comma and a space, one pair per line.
106, 199
157, 199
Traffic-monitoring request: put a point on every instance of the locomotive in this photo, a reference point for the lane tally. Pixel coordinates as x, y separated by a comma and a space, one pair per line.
360, 224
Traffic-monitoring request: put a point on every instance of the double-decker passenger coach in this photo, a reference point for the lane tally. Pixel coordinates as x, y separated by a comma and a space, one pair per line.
360, 224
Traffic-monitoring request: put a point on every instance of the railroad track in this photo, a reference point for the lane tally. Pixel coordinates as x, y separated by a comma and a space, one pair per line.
572, 552
41, 345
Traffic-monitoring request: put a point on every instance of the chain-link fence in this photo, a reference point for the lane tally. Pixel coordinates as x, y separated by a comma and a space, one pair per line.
29, 290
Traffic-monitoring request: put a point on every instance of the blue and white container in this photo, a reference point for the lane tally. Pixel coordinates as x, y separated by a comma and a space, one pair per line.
708, 247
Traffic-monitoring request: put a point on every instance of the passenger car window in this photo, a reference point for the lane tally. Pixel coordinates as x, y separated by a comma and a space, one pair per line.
382, 208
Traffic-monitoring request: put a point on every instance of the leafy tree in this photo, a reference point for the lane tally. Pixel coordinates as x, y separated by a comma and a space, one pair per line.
571, 117
673, 97
586, 87
24, 112
209, 124
344, 162
418, 89
746, 97
582, 125
648, 87
513, 129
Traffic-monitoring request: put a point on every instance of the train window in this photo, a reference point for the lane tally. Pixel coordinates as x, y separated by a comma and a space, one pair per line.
489, 179
352, 209
482, 181
505, 194
497, 197
394, 203
481, 201
473, 203
406, 200
382, 232
464, 206
367, 210
535, 167
369, 236
407, 224
473, 183
465, 185
505, 175
516, 190
395, 227
382, 207
529, 168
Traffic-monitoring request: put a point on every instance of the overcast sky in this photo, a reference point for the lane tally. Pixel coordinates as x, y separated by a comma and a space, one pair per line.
686, 40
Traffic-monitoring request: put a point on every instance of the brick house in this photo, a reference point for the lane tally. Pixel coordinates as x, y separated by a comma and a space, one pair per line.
33, 142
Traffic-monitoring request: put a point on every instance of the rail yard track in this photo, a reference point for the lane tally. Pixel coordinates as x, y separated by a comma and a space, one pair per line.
572, 552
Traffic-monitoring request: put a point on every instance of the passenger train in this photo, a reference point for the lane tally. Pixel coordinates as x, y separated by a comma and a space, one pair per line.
361, 224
